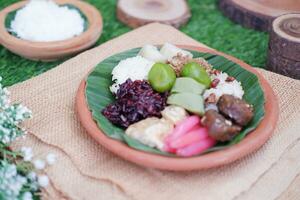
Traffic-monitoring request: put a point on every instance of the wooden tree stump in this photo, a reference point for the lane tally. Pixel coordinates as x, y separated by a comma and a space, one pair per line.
284, 46
136, 13
257, 14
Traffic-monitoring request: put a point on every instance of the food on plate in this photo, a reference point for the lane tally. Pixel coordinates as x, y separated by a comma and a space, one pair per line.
187, 85
178, 61
175, 103
186, 93
197, 72
188, 138
45, 21
203, 63
174, 114
151, 52
225, 122
236, 109
224, 84
211, 106
189, 101
196, 148
135, 100
219, 127
161, 77
196, 135
152, 131
169, 51
135, 68
183, 127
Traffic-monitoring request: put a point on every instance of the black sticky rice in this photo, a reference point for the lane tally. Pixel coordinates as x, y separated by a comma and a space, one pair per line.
135, 101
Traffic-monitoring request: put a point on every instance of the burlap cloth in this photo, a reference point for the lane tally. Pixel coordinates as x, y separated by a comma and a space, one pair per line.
85, 170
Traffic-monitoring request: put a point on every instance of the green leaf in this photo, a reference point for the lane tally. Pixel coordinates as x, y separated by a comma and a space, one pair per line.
9, 18
137, 145
98, 97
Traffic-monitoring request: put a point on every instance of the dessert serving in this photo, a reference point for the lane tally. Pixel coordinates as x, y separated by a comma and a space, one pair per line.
49, 30
46, 21
174, 102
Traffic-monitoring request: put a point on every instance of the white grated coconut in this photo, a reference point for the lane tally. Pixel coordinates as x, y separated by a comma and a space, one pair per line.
232, 88
45, 21
135, 68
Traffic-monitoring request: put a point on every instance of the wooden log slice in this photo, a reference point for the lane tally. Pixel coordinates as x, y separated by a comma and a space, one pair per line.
285, 36
257, 14
284, 46
136, 13
283, 66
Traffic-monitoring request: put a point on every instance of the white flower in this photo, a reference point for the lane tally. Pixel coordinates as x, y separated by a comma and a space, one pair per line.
31, 176
11, 183
39, 164
11, 115
5, 91
27, 196
51, 158
27, 153
43, 180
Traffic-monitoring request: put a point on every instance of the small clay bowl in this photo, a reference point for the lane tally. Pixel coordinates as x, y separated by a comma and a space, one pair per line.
49, 51
250, 143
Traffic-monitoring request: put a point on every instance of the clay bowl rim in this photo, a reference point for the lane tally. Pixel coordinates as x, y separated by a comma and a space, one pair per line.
92, 14
249, 144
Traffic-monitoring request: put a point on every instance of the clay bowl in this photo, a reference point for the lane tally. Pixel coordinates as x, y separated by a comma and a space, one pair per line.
49, 51
252, 142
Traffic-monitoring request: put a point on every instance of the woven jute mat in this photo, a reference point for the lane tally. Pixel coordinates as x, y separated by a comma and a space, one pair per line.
85, 170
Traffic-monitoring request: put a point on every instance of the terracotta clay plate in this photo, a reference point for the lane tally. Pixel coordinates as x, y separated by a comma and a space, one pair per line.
49, 51
250, 143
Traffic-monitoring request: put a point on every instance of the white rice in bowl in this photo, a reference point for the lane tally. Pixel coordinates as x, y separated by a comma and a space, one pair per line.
135, 68
224, 87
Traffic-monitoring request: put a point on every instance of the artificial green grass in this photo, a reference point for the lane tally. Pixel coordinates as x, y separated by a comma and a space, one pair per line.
207, 25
